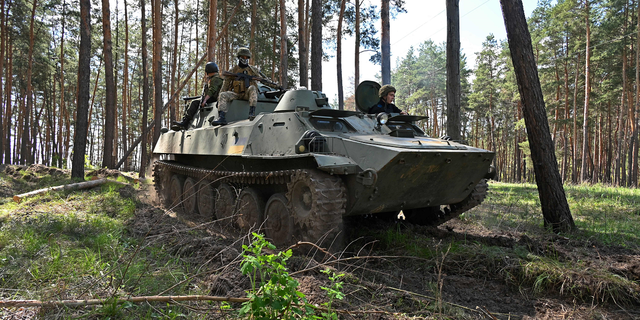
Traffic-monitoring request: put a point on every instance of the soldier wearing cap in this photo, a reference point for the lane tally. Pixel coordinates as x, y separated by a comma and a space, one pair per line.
233, 89
210, 92
387, 94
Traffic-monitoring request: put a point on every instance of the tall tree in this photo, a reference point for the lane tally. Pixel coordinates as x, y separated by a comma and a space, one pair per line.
386, 43
356, 76
302, 48
110, 89
84, 72
453, 69
145, 90
587, 96
555, 208
339, 55
157, 68
316, 45
284, 63
125, 84
211, 38
25, 148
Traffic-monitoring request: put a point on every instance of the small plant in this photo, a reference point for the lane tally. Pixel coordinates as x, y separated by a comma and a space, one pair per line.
334, 292
274, 293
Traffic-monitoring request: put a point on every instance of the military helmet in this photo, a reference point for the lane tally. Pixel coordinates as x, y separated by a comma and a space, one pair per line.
211, 67
243, 52
384, 90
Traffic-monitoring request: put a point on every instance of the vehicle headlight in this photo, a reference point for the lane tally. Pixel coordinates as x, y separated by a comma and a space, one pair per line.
382, 118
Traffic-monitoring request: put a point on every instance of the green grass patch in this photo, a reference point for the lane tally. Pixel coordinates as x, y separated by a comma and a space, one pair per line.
77, 244
608, 215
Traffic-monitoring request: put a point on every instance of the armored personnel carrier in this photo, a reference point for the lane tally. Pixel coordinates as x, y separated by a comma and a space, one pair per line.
300, 166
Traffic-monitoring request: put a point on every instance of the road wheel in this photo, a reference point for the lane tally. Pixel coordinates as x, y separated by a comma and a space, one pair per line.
225, 202
278, 222
250, 210
175, 193
206, 199
190, 196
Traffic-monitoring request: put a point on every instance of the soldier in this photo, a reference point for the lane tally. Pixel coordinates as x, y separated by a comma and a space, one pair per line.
387, 94
209, 95
236, 89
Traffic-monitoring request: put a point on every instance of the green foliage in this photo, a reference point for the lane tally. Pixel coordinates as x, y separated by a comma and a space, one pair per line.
333, 292
274, 293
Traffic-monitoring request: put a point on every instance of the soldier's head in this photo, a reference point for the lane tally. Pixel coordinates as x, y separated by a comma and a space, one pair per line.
387, 93
211, 67
244, 54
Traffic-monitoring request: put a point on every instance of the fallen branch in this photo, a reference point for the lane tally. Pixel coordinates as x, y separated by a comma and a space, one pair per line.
66, 187
88, 302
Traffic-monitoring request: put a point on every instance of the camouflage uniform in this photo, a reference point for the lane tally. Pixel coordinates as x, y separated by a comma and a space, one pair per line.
211, 89
234, 89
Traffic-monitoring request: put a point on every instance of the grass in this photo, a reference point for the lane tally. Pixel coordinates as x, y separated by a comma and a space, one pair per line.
603, 214
69, 245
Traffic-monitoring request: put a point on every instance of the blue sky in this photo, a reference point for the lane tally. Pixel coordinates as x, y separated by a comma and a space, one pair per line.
424, 20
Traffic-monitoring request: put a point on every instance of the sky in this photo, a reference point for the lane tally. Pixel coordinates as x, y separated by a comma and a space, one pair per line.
424, 20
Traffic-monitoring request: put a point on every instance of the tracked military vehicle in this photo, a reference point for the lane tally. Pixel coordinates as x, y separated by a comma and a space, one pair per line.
300, 166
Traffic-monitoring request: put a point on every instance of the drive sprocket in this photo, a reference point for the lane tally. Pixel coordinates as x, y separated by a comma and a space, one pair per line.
317, 202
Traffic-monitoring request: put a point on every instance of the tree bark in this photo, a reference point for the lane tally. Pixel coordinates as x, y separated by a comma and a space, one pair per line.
125, 84
25, 148
386, 43
254, 23
339, 55
453, 69
211, 38
587, 96
84, 74
284, 63
157, 68
110, 89
356, 75
555, 208
316, 45
145, 92
8, 113
302, 49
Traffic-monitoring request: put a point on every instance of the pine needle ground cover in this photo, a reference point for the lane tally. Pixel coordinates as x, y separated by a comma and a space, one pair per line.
115, 243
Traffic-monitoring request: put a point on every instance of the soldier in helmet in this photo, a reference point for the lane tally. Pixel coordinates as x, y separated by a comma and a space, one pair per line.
210, 93
387, 94
233, 89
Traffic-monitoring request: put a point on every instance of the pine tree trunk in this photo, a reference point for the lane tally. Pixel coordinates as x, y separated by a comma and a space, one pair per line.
284, 62
125, 84
3, 36
316, 45
173, 108
254, 23
574, 171
555, 208
145, 92
110, 89
453, 69
304, 73
157, 69
8, 111
25, 148
356, 76
339, 55
587, 96
84, 74
386, 43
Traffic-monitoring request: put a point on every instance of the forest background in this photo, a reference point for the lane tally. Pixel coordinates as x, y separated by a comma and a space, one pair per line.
594, 126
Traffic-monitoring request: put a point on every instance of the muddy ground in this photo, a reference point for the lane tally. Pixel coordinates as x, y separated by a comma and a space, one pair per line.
387, 281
